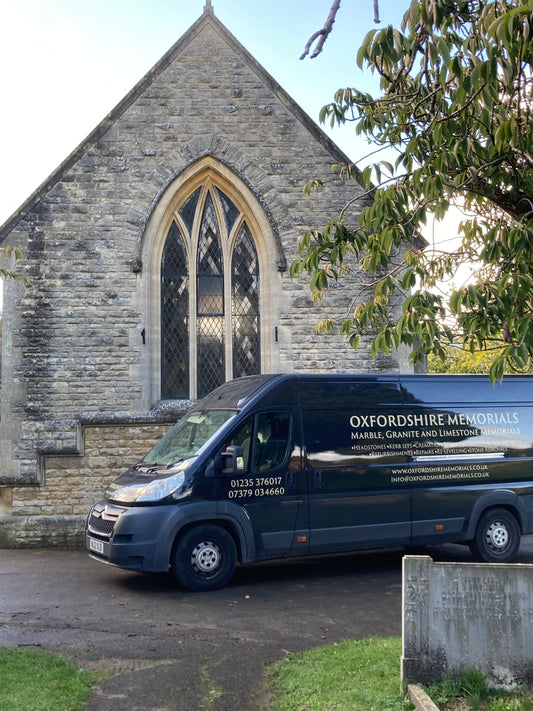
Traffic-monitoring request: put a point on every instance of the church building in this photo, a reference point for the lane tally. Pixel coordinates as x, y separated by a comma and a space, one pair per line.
155, 267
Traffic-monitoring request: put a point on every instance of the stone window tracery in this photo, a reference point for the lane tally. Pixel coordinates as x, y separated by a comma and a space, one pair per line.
209, 296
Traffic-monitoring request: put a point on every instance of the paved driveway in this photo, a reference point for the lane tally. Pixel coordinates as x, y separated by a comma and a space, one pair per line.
173, 650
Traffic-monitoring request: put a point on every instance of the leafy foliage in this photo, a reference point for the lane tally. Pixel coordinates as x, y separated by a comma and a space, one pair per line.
457, 360
10, 254
456, 109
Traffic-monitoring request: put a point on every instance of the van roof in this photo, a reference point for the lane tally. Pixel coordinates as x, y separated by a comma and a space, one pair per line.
330, 389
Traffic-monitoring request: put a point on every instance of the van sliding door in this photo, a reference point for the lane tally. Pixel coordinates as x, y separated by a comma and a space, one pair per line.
351, 501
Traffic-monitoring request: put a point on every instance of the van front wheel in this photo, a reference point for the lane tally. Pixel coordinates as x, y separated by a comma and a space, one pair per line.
497, 538
204, 558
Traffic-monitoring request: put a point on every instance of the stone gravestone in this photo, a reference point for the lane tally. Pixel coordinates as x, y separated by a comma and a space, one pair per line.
460, 615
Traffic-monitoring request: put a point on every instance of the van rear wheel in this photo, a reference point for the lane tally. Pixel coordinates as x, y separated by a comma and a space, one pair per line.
204, 558
497, 537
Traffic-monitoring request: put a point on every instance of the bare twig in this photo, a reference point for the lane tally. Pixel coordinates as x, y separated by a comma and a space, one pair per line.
322, 34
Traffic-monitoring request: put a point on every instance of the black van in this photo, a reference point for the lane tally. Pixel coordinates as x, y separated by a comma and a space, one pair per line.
271, 466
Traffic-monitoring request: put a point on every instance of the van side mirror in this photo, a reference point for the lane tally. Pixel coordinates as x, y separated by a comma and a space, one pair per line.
232, 460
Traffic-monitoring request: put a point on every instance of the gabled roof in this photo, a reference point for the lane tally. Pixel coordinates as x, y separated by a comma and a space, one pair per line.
207, 18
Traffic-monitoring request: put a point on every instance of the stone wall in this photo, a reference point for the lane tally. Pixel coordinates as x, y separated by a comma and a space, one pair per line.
54, 513
462, 615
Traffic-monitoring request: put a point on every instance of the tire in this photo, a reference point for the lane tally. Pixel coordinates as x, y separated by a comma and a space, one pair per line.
204, 558
497, 537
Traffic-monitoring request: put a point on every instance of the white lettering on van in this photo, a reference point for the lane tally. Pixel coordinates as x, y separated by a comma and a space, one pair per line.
432, 419
402, 434
369, 434
398, 421
481, 419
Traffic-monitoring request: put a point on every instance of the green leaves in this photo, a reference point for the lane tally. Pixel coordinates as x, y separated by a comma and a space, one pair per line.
456, 106
10, 255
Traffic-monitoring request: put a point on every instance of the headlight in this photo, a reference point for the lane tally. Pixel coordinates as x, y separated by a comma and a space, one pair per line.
154, 490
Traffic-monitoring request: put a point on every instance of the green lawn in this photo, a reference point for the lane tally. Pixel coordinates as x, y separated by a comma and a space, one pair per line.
33, 680
362, 675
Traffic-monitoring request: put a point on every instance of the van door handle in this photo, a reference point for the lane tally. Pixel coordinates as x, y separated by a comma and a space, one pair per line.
290, 479
318, 477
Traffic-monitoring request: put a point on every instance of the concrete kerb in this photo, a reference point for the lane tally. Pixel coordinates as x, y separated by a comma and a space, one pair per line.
420, 699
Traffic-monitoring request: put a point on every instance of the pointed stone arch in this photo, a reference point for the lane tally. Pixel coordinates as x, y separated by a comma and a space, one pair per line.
204, 177
230, 163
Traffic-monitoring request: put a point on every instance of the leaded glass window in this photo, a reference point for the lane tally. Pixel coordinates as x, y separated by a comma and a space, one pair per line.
209, 296
245, 305
174, 317
210, 303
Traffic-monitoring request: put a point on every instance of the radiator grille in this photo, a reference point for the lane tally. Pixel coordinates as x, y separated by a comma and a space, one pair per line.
102, 520
100, 526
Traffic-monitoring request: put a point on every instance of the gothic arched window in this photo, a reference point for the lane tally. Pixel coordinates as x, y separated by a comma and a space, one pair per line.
209, 296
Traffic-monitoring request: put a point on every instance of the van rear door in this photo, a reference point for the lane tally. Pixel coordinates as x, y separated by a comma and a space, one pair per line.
352, 503
473, 448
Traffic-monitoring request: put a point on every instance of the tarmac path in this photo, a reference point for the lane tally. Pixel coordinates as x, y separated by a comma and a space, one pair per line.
172, 650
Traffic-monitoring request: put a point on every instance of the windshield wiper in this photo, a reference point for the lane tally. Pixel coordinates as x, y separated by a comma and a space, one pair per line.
140, 467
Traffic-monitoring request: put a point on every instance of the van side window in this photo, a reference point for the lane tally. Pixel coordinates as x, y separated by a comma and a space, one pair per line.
264, 441
243, 439
271, 442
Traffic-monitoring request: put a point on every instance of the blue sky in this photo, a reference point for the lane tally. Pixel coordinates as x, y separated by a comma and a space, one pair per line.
66, 63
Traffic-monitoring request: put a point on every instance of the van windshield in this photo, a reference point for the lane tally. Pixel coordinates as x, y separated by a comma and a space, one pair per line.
187, 437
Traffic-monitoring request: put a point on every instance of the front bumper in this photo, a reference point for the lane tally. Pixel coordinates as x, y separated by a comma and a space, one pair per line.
134, 538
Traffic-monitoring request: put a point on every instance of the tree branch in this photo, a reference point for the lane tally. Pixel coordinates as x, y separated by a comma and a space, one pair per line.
322, 34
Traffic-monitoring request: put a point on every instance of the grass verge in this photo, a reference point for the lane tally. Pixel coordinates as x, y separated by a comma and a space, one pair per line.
34, 680
467, 690
364, 675
360, 675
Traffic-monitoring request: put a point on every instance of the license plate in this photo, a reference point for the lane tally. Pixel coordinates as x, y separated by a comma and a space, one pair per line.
96, 546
